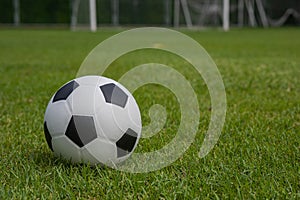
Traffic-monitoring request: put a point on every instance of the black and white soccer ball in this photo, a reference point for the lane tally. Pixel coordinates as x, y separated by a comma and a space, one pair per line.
93, 119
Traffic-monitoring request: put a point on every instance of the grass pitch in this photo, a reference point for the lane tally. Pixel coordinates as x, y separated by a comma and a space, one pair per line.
257, 155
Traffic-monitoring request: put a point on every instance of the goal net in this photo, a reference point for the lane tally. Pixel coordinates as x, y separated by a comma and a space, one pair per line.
83, 14
184, 13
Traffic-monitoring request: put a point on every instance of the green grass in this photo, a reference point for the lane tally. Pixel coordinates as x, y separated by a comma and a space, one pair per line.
257, 156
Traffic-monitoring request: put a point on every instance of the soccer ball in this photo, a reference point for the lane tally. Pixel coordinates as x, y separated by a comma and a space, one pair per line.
92, 119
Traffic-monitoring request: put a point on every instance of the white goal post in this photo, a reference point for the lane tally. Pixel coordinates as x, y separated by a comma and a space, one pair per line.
226, 14
93, 16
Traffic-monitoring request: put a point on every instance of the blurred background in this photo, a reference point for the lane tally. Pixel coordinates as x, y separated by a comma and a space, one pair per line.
170, 13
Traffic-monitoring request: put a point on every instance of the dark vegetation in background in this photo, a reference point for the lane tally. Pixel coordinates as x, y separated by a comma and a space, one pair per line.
37, 11
149, 12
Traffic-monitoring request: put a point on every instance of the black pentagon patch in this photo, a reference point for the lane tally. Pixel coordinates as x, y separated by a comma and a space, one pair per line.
126, 143
81, 130
65, 91
114, 95
48, 136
